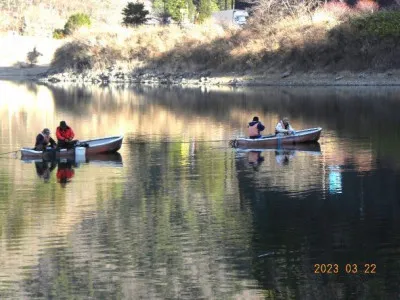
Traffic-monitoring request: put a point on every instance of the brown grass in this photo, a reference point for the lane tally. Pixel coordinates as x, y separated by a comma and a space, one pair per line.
40, 18
321, 41
116, 45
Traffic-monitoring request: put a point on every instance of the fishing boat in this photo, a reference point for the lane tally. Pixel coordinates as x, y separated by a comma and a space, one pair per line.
84, 148
301, 136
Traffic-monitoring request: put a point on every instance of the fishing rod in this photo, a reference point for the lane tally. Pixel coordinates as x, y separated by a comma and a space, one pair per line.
15, 151
173, 142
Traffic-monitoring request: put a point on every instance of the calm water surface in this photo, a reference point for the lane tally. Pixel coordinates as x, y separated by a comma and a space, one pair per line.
178, 214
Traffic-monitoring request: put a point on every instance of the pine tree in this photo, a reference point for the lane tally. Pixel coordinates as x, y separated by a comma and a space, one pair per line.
134, 14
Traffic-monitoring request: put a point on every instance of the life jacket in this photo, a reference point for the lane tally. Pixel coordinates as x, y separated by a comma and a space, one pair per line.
253, 130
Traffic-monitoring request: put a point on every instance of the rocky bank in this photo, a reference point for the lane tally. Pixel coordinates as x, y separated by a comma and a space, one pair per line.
208, 78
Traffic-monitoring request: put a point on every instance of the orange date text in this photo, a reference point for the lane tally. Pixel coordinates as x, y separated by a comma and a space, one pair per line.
345, 269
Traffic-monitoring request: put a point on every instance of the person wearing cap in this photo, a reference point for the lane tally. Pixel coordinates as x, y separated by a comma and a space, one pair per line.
284, 128
65, 136
254, 128
44, 139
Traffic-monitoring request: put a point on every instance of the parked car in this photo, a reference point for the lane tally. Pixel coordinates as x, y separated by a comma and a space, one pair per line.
231, 17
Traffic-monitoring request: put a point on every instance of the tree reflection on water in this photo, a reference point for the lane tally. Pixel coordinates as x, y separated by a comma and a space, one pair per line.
188, 217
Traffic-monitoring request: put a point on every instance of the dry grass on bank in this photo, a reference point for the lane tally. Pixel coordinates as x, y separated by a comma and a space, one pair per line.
129, 48
329, 39
40, 18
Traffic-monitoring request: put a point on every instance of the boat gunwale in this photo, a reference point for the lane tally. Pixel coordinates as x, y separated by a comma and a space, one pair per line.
116, 139
113, 139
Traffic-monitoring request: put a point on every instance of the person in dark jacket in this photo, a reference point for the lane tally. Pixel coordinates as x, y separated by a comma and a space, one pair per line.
65, 136
43, 140
254, 128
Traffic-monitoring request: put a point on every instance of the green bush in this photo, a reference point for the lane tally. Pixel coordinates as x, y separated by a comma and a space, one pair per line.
76, 21
381, 24
58, 34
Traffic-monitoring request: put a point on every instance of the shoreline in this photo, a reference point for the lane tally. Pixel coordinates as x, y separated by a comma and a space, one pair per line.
210, 78
44, 74
22, 74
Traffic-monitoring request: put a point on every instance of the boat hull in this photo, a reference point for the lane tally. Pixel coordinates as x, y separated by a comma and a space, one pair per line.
301, 136
96, 146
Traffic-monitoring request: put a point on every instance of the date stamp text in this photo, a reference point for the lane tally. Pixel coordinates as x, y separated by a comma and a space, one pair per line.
345, 269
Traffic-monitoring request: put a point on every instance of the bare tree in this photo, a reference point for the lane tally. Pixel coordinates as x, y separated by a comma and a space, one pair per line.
33, 56
270, 10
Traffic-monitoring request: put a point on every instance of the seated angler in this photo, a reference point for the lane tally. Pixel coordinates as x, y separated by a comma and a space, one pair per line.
284, 128
43, 140
65, 136
254, 128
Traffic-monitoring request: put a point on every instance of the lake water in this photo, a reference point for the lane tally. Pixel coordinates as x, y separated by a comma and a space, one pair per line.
178, 214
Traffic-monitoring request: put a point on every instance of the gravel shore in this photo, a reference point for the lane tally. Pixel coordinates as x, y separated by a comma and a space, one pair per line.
111, 76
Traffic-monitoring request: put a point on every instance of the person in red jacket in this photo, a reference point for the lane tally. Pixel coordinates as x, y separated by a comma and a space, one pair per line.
65, 136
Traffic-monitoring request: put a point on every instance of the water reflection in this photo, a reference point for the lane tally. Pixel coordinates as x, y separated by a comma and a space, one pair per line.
187, 217
279, 168
283, 157
44, 168
178, 114
255, 159
64, 172
335, 180
65, 166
